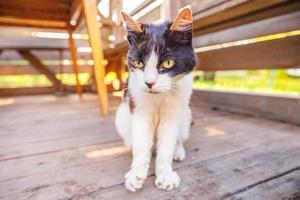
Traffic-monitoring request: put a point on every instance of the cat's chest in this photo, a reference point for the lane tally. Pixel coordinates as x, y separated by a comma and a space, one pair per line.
156, 103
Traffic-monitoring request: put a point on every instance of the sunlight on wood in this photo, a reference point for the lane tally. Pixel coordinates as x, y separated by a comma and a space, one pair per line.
8, 101
117, 94
107, 152
214, 132
248, 41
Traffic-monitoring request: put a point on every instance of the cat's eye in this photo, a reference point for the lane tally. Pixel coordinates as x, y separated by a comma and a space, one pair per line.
168, 64
138, 64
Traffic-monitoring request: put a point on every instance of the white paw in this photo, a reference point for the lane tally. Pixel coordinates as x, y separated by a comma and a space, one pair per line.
179, 154
167, 181
134, 180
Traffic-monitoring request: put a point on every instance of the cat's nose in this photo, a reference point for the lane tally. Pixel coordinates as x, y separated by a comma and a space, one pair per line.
149, 84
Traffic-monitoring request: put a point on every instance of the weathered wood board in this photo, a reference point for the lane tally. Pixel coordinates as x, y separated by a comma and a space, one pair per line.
60, 148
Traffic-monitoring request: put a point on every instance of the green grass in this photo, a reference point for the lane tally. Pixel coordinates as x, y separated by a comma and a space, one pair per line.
267, 81
13, 81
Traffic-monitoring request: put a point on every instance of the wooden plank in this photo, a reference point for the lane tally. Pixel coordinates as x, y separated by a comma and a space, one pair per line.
34, 48
75, 7
36, 63
289, 7
9, 21
120, 50
120, 70
49, 57
227, 10
284, 23
169, 9
151, 16
219, 15
233, 160
37, 4
218, 177
283, 187
38, 90
78, 20
59, 15
21, 70
208, 172
97, 52
73, 52
26, 91
140, 7
281, 53
261, 105
51, 134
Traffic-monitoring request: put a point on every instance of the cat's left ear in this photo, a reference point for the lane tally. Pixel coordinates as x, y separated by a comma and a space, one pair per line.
132, 25
183, 21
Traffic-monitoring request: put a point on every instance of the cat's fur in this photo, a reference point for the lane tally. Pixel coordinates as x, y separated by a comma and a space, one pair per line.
160, 113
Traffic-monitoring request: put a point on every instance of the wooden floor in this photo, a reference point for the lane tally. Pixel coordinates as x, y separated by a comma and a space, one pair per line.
60, 148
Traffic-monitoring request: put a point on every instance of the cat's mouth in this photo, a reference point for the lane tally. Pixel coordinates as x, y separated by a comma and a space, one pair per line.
153, 92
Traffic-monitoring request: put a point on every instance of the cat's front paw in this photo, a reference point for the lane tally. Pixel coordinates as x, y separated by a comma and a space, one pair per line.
167, 181
134, 179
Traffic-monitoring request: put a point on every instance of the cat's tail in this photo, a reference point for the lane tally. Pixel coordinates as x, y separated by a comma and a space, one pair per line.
123, 123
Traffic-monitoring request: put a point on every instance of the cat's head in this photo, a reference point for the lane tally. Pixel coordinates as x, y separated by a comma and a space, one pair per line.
159, 55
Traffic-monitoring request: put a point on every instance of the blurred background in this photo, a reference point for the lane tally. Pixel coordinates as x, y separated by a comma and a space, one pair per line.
214, 34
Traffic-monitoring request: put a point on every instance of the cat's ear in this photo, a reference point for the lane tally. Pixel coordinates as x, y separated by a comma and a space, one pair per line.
132, 25
183, 20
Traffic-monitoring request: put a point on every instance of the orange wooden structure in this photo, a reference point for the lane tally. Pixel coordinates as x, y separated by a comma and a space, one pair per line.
59, 14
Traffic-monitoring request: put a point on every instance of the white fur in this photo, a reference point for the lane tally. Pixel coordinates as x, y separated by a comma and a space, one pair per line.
165, 114
150, 73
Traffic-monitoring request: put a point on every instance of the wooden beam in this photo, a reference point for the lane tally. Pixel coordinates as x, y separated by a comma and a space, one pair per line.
120, 69
73, 53
37, 4
38, 90
279, 53
26, 91
226, 14
90, 10
75, 7
207, 15
169, 9
9, 21
255, 104
277, 10
120, 50
36, 63
29, 70
33, 48
151, 16
140, 7
279, 24
34, 14
78, 20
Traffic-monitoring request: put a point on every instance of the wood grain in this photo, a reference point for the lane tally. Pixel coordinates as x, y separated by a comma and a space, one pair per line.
61, 144
272, 54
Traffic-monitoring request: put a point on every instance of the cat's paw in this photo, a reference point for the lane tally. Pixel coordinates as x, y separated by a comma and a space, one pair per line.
134, 179
167, 181
179, 154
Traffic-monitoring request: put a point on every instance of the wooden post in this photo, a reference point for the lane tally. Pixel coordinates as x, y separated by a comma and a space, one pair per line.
73, 53
169, 9
37, 64
61, 72
90, 10
120, 69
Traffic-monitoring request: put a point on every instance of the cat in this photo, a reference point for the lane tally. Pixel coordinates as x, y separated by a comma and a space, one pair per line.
155, 106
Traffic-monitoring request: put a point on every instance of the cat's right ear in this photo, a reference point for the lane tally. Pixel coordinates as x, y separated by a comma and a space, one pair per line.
131, 24
184, 20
